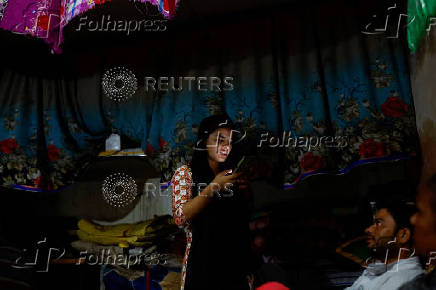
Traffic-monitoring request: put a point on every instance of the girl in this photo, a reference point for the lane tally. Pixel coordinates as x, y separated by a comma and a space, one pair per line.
208, 204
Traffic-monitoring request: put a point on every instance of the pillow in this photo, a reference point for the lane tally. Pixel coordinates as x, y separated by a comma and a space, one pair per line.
355, 250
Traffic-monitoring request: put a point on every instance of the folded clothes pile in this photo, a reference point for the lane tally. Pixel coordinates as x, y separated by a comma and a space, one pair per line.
137, 234
96, 249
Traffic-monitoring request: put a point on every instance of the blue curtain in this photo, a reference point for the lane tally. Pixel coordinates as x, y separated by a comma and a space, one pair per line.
307, 77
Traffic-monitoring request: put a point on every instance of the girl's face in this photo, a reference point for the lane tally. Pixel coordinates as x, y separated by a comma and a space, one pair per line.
219, 144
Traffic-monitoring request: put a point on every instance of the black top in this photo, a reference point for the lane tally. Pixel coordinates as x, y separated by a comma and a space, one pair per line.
219, 253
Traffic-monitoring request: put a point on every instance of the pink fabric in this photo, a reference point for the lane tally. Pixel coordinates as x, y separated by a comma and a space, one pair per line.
46, 18
272, 286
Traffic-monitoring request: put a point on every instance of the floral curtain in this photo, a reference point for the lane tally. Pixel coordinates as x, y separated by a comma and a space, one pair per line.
309, 90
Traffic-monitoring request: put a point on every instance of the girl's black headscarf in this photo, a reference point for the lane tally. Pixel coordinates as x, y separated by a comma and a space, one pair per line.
201, 171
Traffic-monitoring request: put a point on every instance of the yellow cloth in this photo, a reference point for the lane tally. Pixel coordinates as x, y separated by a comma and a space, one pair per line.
136, 234
107, 240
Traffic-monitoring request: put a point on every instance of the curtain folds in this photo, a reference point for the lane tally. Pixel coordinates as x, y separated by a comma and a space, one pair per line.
309, 90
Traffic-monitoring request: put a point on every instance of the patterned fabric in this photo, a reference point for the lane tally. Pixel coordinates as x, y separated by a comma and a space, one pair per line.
325, 104
46, 19
181, 184
3, 5
117, 278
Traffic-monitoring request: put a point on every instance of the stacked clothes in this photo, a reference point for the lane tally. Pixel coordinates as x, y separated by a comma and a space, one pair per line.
131, 254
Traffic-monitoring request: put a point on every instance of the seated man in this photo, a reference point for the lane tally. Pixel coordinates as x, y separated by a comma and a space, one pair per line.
389, 238
425, 234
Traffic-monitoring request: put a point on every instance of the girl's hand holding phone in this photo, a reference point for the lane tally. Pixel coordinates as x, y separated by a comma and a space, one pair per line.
225, 177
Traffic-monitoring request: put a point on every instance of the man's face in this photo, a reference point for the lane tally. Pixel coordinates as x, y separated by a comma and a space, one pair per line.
381, 231
425, 223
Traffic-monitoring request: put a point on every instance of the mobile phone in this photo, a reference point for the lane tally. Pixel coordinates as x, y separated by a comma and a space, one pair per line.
238, 166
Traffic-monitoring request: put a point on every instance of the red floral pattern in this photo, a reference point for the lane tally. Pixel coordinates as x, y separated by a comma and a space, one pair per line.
53, 153
162, 143
42, 182
43, 21
394, 107
181, 185
149, 149
37, 181
8, 146
311, 162
371, 148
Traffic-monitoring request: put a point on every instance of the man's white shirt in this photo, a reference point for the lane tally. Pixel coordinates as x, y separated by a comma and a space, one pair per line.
388, 277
